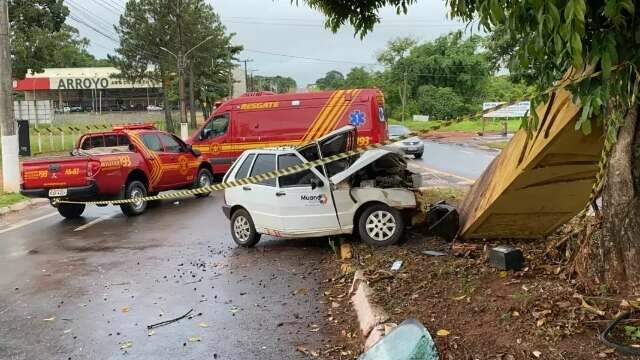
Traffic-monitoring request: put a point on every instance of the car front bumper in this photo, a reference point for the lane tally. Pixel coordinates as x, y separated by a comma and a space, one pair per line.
226, 209
88, 192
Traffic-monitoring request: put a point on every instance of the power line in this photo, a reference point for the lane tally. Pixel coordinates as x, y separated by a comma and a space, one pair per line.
309, 58
320, 25
83, 12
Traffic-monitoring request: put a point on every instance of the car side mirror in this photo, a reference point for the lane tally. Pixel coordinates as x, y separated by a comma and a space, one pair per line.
316, 183
195, 152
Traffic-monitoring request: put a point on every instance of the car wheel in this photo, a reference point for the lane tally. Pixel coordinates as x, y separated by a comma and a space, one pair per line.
71, 211
135, 189
417, 156
242, 229
205, 178
381, 225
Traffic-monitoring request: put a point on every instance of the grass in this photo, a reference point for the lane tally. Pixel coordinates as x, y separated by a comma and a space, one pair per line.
496, 144
475, 125
7, 199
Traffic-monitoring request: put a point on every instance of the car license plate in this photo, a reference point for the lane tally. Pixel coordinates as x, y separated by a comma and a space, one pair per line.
57, 192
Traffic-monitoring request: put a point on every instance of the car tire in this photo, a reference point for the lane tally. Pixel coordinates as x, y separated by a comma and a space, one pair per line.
71, 211
417, 156
242, 229
134, 188
381, 225
204, 178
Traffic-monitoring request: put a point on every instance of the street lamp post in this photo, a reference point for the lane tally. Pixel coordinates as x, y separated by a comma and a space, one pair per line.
181, 60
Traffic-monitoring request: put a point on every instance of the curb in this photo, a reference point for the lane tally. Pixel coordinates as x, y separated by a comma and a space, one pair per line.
371, 317
22, 205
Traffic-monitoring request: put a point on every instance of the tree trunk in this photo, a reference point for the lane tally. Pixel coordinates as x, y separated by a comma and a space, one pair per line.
192, 108
167, 108
620, 246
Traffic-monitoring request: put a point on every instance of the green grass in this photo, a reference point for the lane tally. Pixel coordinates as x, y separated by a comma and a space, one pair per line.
7, 199
496, 144
462, 126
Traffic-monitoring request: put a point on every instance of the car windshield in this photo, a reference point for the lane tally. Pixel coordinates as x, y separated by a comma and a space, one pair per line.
398, 130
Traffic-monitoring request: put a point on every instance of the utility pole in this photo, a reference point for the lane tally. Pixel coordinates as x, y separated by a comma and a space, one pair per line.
8, 137
192, 109
246, 73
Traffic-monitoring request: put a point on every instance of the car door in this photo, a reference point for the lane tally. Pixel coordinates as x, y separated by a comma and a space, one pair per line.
165, 178
304, 202
260, 197
180, 170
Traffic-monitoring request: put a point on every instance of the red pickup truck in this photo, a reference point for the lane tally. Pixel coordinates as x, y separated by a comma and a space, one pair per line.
127, 162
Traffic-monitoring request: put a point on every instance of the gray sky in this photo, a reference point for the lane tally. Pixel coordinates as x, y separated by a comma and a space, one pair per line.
278, 27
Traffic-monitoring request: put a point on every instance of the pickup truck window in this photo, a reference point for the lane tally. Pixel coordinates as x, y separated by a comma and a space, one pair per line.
243, 171
263, 164
298, 179
111, 140
170, 144
152, 142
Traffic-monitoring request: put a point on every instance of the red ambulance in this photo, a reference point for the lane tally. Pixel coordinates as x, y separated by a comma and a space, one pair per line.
265, 119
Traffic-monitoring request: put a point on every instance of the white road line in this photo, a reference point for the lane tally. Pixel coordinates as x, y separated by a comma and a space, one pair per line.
27, 222
445, 173
93, 222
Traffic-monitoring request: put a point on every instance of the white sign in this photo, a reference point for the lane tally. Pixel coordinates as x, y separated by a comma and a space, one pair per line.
87, 83
520, 109
420, 117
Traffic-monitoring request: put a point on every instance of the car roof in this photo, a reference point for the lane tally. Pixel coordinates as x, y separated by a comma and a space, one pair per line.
278, 150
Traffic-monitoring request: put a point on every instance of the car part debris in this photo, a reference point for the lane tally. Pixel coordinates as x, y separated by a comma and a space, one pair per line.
443, 221
434, 253
604, 336
506, 258
167, 322
396, 265
409, 341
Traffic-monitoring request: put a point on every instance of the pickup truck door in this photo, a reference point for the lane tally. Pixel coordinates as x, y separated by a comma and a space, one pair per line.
304, 202
166, 177
182, 164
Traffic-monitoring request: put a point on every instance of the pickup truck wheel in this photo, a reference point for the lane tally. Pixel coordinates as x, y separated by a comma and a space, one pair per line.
381, 225
135, 189
242, 229
71, 211
205, 178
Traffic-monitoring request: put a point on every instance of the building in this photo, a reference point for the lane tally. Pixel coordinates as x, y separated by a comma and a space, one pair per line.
98, 89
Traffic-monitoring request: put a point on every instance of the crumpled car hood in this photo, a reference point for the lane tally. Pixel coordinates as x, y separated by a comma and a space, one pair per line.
366, 159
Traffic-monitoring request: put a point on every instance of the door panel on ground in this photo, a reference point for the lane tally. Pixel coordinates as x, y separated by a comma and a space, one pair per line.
263, 195
303, 209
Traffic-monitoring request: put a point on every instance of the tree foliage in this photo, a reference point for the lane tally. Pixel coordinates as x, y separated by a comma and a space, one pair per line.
278, 84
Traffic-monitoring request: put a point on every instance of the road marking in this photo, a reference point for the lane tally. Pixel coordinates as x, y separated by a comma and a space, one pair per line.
27, 222
445, 173
94, 221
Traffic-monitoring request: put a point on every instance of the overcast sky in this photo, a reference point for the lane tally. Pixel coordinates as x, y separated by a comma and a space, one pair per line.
266, 27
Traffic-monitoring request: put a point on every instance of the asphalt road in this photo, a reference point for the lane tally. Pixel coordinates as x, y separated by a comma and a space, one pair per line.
83, 289
460, 160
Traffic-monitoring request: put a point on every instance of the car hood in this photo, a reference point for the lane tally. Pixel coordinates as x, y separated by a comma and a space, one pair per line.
366, 159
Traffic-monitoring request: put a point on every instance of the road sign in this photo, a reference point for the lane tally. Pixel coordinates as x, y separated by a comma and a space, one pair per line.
520, 109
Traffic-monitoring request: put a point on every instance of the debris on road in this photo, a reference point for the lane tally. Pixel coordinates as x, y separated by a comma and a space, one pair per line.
396, 265
408, 341
203, 325
194, 339
434, 253
443, 221
49, 319
506, 258
127, 344
167, 322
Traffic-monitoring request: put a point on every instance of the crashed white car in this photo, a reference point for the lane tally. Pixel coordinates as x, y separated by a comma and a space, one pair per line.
369, 196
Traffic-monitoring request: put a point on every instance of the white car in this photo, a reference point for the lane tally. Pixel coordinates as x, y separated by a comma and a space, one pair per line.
154, 108
369, 196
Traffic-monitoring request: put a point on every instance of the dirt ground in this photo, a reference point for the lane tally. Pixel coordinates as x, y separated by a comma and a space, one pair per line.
537, 313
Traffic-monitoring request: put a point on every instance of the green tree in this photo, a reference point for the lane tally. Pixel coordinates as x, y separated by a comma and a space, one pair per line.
358, 78
439, 102
549, 38
147, 26
332, 80
71, 50
278, 84
34, 25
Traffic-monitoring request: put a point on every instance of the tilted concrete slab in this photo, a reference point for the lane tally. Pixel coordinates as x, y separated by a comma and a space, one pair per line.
540, 180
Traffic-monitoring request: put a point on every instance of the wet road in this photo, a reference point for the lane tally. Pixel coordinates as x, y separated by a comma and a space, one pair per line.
84, 289
461, 160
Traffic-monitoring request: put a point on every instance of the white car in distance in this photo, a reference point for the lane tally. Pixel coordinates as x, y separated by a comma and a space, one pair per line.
369, 196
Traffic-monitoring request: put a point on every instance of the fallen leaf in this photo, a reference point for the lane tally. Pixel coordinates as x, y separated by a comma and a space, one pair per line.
124, 345
203, 325
125, 309
315, 353
503, 274
540, 322
195, 339
443, 332
302, 350
302, 291
537, 354
335, 305
459, 298
49, 319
